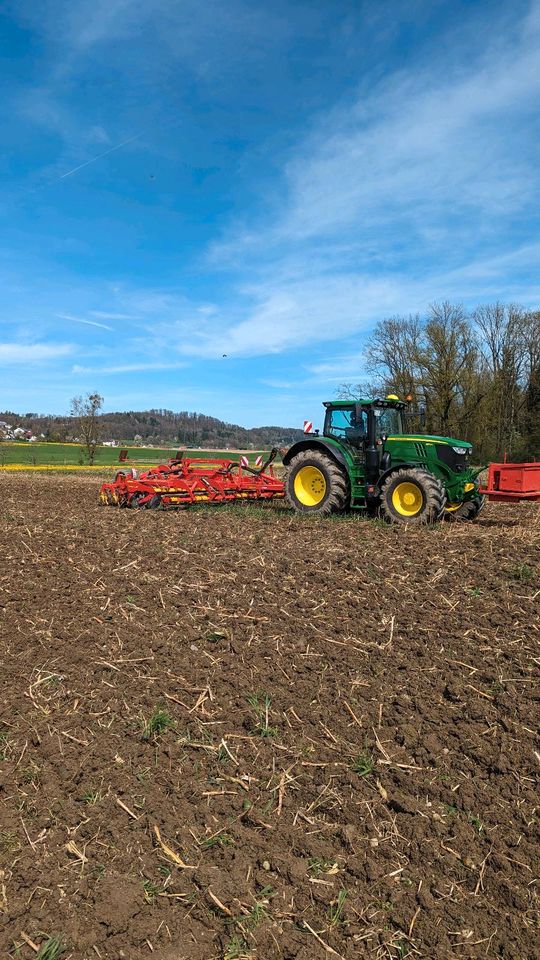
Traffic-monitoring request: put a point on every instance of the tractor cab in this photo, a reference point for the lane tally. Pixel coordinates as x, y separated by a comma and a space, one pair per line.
355, 422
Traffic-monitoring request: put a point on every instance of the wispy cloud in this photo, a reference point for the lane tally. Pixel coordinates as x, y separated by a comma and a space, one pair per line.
33, 352
407, 194
108, 315
339, 368
414, 151
129, 367
88, 323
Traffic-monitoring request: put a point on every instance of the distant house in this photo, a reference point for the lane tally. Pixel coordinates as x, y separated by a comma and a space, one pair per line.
6, 431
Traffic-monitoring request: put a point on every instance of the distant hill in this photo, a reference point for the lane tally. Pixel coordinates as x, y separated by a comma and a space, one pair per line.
158, 427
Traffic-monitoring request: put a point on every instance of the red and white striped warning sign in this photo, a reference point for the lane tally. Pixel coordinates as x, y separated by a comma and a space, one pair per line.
259, 461
308, 426
244, 462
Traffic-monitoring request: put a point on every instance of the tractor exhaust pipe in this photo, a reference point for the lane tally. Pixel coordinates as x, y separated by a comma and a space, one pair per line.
372, 450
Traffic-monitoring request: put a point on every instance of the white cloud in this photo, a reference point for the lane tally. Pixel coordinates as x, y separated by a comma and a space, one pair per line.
409, 194
33, 352
415, 152
337, 369
299, 314
296, 314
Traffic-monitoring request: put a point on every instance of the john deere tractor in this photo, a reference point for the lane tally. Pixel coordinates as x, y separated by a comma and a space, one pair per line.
364, 459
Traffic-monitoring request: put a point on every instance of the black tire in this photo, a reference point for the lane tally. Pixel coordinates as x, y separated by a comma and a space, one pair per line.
135, 501
420, 500
468, 511
312, 475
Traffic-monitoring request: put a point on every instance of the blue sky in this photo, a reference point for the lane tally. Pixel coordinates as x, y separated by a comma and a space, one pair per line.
184, 179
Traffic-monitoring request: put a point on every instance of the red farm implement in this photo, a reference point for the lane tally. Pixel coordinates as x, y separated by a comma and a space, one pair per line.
183, 482
508, 482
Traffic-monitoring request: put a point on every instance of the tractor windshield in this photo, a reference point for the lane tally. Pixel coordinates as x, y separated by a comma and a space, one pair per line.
388, 421
342, 423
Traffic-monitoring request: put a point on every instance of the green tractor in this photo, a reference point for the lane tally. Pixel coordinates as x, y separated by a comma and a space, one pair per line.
364, 459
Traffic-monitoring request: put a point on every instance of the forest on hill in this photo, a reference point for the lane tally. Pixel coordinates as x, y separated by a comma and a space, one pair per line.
156, 427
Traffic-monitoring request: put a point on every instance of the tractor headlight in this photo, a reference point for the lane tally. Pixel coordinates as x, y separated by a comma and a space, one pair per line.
461, 450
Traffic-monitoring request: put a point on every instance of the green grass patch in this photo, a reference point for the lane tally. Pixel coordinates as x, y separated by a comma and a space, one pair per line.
157, 723
71, 454
364, 764
52, 949
260, 704
219, 840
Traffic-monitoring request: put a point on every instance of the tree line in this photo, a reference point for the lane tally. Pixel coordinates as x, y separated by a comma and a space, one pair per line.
473, 375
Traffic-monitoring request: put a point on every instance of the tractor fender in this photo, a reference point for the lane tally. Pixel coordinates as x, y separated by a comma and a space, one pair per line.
315, 443
397, 466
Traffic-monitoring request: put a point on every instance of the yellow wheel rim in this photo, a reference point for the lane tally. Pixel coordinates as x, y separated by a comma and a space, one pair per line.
309, 486
407, 499
452, 507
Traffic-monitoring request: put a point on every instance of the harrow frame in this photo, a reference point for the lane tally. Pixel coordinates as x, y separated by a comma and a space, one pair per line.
183, 482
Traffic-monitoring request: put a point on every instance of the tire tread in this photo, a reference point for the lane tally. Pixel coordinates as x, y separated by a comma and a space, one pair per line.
434, 493
337, 500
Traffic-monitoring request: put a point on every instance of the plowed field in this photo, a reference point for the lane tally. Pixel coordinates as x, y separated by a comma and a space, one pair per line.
235, 733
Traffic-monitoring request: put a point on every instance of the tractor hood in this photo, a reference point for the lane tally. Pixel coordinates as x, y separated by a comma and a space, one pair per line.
422, 438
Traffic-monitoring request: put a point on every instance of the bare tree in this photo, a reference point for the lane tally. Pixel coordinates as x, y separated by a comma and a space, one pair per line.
504, 329
475, 376
85, 410
447, 360
433, 358
355, 391
392, 353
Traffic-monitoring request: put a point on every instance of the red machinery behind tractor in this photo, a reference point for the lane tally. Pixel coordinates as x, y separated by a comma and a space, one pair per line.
508, 482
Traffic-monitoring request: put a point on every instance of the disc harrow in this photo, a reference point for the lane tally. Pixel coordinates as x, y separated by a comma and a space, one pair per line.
185, 481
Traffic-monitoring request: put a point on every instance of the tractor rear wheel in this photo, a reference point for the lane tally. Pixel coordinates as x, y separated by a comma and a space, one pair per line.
316, 484
468, 510
412, 496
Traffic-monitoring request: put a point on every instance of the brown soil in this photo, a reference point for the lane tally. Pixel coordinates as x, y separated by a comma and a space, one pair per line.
350, 768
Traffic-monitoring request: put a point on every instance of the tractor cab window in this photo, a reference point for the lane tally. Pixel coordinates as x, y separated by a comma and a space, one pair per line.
342, 423
388, 421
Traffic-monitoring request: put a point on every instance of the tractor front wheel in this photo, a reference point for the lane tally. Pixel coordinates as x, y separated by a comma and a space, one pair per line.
412, 496
316, 484
468, 510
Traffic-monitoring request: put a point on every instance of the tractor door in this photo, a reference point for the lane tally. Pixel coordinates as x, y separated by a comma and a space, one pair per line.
348, 425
